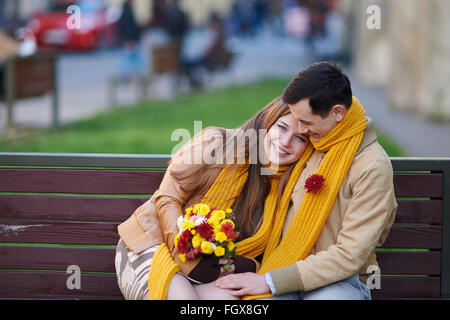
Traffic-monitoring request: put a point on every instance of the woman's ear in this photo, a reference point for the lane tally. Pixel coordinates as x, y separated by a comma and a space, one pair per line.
338, 111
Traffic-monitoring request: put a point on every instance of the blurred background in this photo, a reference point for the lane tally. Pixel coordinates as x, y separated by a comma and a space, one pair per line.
119, 76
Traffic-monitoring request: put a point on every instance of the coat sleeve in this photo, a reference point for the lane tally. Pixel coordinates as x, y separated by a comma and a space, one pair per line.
170, 198
367, 220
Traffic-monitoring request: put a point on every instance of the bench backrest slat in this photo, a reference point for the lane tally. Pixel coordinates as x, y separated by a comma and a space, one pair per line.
414, 237
56, 258
74, 208
52, 285
419, 185
419, 211
407, 262
62, 232
80, 181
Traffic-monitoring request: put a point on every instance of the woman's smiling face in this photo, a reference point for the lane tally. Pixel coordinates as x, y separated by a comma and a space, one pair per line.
284, 144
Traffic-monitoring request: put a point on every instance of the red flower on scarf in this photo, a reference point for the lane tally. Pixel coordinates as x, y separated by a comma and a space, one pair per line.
314, 183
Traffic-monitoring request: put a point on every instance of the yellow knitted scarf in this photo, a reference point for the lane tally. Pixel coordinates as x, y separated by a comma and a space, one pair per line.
340, 144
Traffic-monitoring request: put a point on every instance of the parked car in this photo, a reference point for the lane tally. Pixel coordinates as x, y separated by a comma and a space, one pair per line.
97, 28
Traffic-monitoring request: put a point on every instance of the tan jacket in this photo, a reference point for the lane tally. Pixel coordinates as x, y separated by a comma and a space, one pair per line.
359, 221
155, 221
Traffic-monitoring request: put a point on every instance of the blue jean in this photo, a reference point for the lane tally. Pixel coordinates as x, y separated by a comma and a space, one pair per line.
348, 289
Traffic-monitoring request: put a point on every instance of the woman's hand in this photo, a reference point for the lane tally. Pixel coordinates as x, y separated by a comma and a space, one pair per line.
223, 271
244, 283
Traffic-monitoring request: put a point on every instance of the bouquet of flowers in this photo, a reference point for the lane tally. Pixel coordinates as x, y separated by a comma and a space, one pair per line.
204, 230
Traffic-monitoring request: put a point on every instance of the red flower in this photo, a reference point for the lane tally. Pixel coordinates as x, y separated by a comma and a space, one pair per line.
194, 253
314, 183
205, 230
228, 229
184, 242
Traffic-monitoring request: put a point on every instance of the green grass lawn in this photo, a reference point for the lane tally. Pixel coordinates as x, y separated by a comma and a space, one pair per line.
146, 128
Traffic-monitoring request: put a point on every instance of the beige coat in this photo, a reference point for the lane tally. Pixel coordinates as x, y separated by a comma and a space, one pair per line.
359, 221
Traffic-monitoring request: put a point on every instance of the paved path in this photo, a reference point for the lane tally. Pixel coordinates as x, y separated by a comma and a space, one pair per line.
84, 92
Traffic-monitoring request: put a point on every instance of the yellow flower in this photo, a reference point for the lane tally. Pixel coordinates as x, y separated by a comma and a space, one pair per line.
207, 247
204, 209
189, 210
228, 210
188, 225
219, 251
175, 240
219, 214
221, 236
197, 241
182, 257
193, 231
196, 208
230, 246
217, 229
213, 221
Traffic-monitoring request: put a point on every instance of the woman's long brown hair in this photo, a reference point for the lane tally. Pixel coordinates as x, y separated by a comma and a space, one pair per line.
257, 186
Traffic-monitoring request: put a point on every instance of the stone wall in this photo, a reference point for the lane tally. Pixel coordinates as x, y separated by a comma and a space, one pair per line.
420, 75
410, 54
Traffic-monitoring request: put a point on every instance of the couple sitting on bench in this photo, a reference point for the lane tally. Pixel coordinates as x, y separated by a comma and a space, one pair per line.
311, 199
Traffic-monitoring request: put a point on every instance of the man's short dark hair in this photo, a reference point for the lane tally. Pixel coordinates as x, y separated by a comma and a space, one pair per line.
324, 84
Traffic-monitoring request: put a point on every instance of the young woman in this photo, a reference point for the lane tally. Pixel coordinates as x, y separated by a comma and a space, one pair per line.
251, 185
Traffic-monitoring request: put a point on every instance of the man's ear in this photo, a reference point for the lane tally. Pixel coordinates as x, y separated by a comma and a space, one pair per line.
338, 112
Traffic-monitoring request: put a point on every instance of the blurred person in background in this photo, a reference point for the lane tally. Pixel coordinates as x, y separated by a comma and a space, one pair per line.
296, 19
175, 21
245, 17
218, 56
129, 35
327, 39
204, 50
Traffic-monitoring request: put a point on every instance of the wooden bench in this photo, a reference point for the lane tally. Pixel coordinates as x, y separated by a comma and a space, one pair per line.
60, 210
164, 60
31, 76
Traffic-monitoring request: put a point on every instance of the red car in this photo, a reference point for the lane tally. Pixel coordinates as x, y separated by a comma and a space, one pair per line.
97, 27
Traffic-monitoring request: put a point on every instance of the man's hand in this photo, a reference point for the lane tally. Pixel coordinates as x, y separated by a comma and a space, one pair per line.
244, 283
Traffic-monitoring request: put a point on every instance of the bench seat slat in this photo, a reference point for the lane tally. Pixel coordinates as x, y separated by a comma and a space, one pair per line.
395, 262
403, 287
68, 207
419, 185
80, 181
52, 285
414, 237
57, 258
58, 232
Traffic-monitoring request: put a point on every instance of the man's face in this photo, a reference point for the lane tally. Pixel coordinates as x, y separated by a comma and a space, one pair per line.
314, 125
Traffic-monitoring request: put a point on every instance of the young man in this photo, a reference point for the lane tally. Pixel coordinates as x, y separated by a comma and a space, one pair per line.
346, 183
